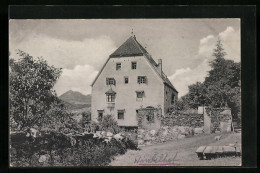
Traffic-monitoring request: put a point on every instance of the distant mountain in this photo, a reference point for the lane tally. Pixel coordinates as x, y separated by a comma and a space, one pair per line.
76, 99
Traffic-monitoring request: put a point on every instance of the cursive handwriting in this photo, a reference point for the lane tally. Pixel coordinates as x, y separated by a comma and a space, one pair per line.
157, 159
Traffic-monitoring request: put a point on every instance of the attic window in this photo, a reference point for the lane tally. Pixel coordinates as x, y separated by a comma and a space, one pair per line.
141, 79
118, 66
134, 65
110, 81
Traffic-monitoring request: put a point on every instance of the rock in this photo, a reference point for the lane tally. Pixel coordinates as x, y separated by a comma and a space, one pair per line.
164, 133
103, 133
73, 141
34, 132
109, 134
147, 137
140, 136
217, 138
184, 130
141, 131
153, 138
148, 143
152, 132
140, 142
181, 136
198, 130
44, 158
98, 132
165, 127
118, 137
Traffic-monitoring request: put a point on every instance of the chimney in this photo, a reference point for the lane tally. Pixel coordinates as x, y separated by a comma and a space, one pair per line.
160, 66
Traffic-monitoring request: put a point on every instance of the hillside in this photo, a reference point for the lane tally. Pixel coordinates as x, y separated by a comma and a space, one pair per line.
76, 100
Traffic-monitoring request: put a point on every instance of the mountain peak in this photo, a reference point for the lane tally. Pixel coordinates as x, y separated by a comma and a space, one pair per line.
75, 97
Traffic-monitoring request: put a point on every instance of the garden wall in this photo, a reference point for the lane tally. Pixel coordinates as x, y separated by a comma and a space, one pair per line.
173, 126
219, 120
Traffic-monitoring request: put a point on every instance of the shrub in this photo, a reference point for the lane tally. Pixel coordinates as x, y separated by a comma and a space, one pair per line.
66, 150
108, 123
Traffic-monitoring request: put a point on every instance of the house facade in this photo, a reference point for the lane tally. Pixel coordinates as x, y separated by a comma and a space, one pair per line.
129, 80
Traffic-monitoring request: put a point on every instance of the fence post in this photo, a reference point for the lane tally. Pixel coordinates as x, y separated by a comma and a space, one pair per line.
207, 121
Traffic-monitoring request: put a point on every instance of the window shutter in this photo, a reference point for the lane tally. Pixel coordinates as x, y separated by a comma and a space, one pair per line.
145, 79
138, 79
107, 81
114, 82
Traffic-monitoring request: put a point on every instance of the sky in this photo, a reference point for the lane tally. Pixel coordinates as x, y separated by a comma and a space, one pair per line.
81, 46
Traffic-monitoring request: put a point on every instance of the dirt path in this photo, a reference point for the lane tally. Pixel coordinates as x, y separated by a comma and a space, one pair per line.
179, 153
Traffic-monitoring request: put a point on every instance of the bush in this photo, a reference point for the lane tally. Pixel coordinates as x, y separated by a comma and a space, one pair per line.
57, 149
108, 123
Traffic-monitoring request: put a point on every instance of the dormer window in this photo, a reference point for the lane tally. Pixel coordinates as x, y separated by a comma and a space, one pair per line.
141, 79
110, 81
134, 64
118, 66
110, 98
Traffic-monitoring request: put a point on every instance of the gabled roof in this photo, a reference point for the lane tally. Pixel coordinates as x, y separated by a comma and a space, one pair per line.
131, 47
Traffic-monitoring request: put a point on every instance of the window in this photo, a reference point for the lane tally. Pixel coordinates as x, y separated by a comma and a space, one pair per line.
120, 114
150, 118
126, 80
111, 98
141, 79
173, 98
139, 95
118, 66
100, 114
133, 65
110, 81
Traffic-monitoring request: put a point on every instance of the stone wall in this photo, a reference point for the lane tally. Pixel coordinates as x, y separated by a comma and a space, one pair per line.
177, 118
219, 120
149, 118
166, 133
173, 126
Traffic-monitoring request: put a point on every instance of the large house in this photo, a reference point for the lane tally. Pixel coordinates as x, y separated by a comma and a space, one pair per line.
129, 80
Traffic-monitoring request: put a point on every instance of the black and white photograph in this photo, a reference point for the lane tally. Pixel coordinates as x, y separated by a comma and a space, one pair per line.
125, 92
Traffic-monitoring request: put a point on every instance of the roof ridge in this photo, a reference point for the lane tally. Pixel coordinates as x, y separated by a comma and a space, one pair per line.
138, 44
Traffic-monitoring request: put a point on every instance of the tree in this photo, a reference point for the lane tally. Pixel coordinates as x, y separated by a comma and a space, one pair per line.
221, 87
223, 80
31, 89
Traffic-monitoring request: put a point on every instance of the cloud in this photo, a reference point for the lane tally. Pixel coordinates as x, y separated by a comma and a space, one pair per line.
206, 39
231, 43
181, 81
184, 77
67, 53
79, 59
76, 79
179, 72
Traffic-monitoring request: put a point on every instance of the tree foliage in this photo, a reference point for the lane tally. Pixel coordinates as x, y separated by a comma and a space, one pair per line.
108, 123
221, 87
32, 98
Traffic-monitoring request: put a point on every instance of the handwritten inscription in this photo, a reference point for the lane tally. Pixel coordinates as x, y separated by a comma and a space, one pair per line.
157, 159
